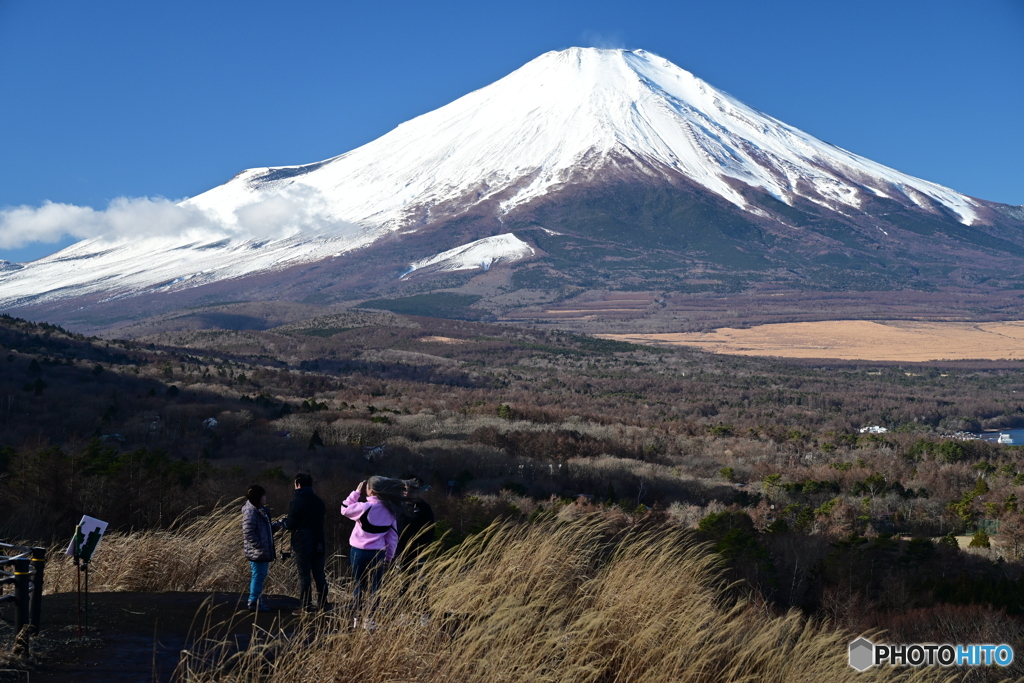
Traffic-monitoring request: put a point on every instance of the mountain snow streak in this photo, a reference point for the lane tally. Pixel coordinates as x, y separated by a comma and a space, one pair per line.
483, 254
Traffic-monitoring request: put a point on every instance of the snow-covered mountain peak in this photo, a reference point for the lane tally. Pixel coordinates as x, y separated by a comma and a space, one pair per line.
562, 117
566, 117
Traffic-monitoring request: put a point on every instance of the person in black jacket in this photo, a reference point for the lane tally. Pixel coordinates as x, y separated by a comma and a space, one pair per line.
305, 521
415, 531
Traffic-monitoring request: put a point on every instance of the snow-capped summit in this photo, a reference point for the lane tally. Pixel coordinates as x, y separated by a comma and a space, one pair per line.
561, 118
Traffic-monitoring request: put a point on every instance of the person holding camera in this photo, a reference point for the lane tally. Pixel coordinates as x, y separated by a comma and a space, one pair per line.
258, 543
305, 521
375, 506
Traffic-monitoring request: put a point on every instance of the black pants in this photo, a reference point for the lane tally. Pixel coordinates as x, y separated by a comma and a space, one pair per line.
311, 564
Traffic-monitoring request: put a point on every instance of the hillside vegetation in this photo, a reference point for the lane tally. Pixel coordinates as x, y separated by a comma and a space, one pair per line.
762, 459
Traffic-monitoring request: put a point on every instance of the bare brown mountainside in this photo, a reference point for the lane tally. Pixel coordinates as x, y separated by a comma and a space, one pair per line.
698, 258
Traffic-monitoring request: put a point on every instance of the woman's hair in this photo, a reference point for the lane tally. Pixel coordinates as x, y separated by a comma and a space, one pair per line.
255, 494
394, 493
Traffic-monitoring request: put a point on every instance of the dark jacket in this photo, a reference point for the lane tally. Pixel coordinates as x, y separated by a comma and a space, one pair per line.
257, 534
306, 523
411, 535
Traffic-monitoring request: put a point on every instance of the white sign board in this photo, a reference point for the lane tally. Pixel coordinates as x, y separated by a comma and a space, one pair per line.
88, 534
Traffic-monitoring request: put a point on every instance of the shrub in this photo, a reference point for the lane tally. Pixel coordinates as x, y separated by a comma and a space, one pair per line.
980, 540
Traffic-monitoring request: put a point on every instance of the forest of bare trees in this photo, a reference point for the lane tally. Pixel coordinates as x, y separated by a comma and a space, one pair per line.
763, 459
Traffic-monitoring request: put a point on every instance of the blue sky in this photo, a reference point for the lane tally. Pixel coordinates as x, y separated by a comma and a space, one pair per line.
139, 99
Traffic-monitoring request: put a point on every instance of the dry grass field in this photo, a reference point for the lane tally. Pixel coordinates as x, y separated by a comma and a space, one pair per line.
566, 599
906, 341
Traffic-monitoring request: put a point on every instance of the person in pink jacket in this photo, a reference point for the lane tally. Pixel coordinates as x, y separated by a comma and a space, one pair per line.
375, 506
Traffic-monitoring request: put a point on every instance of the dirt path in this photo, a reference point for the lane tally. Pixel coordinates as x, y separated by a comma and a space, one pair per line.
137, 636
907, 341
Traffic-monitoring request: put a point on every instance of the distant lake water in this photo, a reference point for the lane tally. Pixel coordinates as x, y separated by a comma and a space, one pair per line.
1016, 436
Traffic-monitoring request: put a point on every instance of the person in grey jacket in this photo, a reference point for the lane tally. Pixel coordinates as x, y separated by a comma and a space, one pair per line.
258, 541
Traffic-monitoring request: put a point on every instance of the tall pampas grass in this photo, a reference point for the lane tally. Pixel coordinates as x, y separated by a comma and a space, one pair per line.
560, 600
198, 554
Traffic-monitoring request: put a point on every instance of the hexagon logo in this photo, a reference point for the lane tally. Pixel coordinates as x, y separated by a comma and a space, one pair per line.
862, 654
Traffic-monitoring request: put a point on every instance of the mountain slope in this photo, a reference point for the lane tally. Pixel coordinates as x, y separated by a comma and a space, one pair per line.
616, 167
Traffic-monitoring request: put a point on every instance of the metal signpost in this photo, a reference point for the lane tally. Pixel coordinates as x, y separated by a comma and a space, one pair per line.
87, 536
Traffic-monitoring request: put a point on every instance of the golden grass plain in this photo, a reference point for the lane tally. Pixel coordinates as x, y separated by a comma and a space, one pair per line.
909, 341
568, 599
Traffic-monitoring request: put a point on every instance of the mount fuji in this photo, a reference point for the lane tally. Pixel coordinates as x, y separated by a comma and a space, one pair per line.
585, 169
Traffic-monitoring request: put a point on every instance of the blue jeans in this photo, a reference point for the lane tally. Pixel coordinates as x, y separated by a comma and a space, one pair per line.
311, 564
259, 575
367, 570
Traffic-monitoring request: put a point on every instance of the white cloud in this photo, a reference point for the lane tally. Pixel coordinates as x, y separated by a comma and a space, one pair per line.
292, 209
281, 214
605, 41
123, 218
